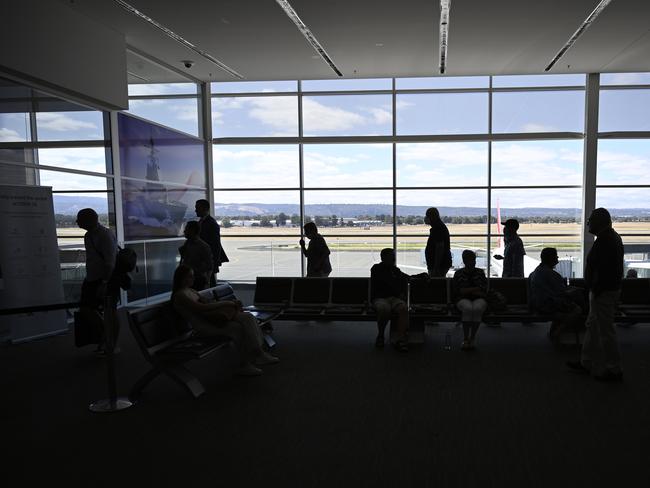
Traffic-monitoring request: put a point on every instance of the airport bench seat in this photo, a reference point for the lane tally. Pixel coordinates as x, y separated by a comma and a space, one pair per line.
167, 342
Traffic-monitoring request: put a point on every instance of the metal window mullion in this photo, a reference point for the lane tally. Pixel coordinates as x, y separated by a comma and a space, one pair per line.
117, 185
488, 253
162, 96
301, 174
590, 159
205, 104
394, 189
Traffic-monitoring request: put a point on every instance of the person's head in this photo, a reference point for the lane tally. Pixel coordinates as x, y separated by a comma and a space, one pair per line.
87, 218
183, 277
387, 255
202, 208
598, 221
310, 230
549, 257
469, 258
192, 229
431, 216
631, 273
510, 227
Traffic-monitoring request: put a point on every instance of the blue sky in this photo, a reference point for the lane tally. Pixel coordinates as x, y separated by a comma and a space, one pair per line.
621, 162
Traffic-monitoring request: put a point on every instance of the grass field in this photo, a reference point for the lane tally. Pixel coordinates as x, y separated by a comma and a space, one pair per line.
409, 237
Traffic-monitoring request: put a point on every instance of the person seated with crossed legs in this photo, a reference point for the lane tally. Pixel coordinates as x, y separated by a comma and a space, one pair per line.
470, 289
220, 318
388, 295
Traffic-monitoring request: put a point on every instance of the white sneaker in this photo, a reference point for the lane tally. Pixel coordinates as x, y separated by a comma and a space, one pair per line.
249, 370
265, 358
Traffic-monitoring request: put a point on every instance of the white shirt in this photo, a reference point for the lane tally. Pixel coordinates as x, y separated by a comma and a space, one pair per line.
101, 250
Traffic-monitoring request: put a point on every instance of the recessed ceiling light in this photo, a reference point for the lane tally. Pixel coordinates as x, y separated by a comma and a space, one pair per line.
445, 5
134, 11
379, 44
311, 38
583, 27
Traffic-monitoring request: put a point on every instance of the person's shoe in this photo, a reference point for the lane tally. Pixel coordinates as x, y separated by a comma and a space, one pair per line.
249, 370
379, 342
578, 367
265, 358
465, 346
610, 376
401, 345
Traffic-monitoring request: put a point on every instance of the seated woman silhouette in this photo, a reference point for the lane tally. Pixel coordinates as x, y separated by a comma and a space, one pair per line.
221, 318
470, 290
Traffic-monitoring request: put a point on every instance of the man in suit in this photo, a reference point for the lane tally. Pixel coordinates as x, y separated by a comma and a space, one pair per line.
210, 233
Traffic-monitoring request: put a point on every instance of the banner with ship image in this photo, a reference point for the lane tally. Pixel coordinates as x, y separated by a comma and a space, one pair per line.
164, 174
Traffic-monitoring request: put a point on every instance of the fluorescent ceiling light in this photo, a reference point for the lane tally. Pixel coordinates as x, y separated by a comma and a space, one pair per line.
583, 27
444, 34
134, 11
311, 38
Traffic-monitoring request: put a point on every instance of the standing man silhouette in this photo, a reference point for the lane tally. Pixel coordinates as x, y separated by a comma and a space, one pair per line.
210, 233
317, 253
603, 276
438, 250
513, 251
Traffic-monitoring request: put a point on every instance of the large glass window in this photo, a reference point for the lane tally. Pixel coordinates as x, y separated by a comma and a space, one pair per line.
70, 126
623, 170
255, 166
348, 165
442, 164
538, 111
272, 116
347, 115
624, 110
535, 163
181, 114
442, 113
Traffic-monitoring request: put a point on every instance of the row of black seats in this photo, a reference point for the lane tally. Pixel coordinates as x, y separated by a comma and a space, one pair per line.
314, 297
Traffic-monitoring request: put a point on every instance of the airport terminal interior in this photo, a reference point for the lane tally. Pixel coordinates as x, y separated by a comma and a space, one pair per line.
357, 116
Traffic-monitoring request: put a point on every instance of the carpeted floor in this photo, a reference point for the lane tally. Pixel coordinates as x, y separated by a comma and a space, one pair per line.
335, 412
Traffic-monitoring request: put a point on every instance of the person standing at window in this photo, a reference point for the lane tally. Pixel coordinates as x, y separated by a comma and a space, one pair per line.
210, 233
101, 254
196, 254
513, 251
438, 250
317, 253
603, 276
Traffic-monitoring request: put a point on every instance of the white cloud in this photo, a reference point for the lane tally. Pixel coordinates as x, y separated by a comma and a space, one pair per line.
60, 122
623, 168
536, 127
87, 159
9, 135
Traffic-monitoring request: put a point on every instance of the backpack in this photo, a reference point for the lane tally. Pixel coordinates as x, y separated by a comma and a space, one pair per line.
125, 262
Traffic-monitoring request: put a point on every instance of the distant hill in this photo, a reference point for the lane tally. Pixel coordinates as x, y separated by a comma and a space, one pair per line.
70, 205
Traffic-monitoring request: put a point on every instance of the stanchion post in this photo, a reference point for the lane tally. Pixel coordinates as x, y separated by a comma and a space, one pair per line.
112, 403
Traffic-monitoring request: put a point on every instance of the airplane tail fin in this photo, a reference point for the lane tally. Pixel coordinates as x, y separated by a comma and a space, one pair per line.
500, 239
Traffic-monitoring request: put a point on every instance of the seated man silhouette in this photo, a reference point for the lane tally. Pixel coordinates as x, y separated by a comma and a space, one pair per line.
551, 295
388, 288
196, 254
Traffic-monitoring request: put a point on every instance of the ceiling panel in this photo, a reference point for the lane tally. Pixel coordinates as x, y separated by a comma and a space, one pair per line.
381, 38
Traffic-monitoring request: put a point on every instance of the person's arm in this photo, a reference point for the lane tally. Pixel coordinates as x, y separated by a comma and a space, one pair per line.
196, 306
107, 249
206, 259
